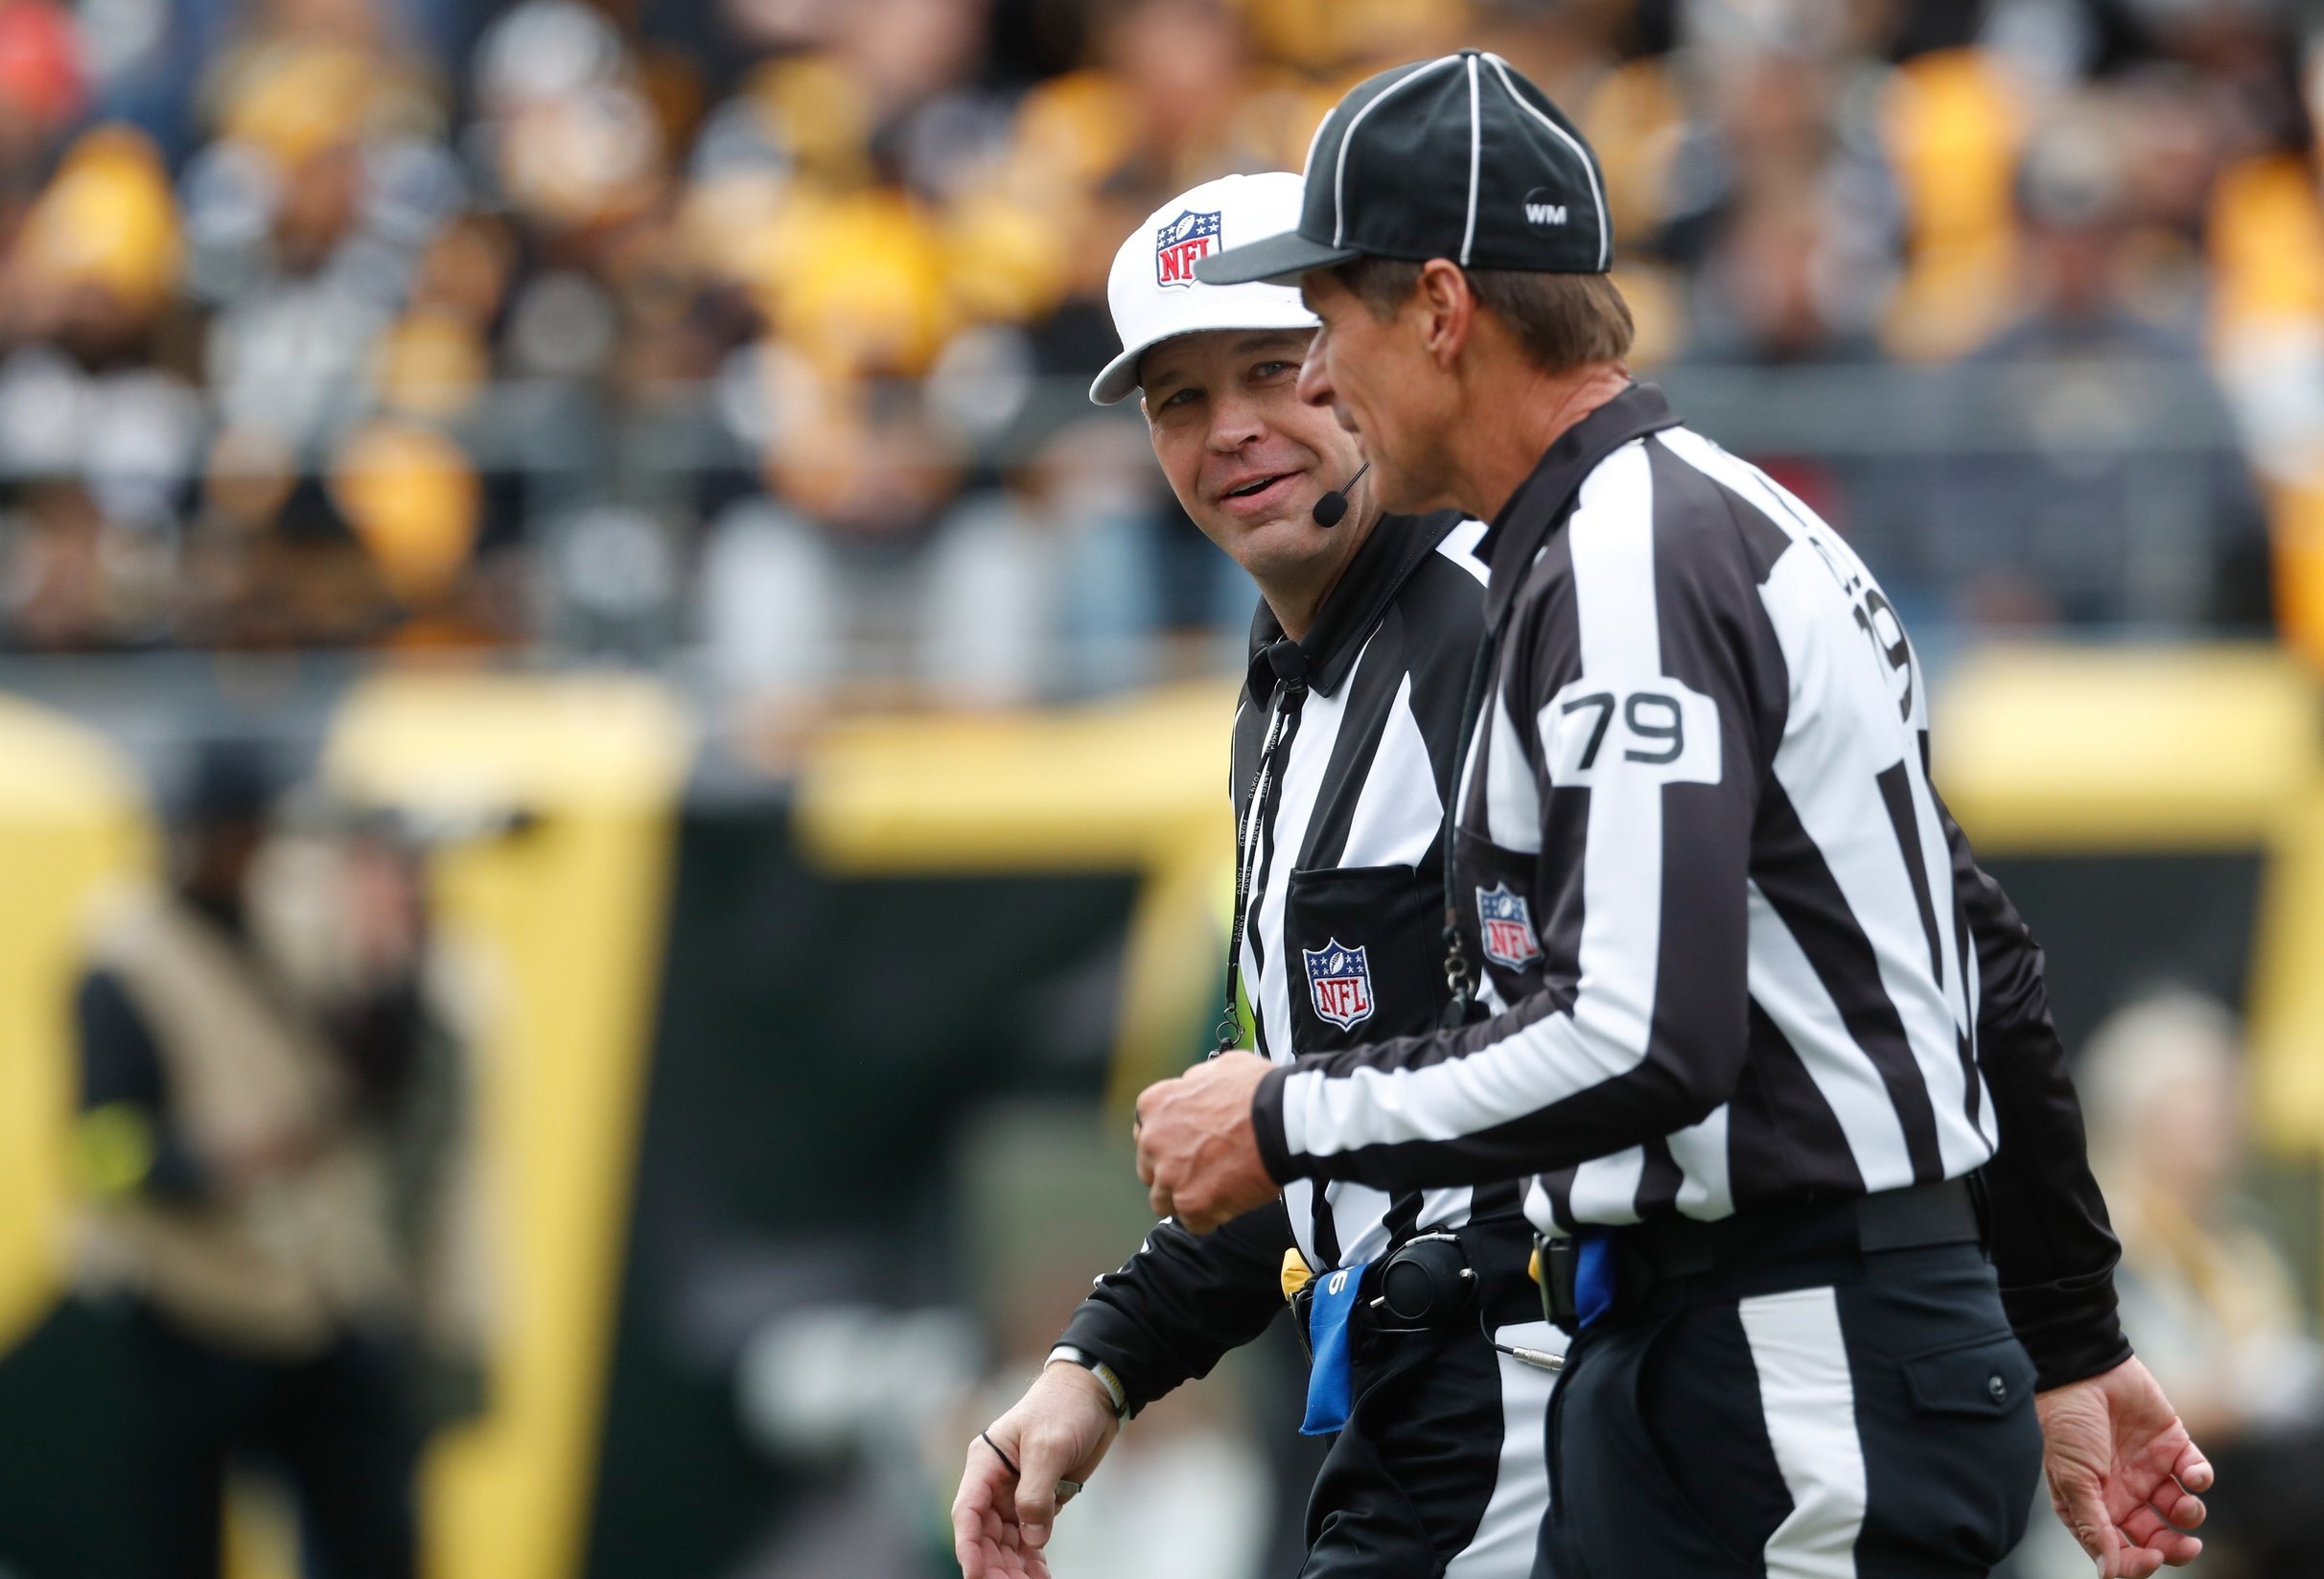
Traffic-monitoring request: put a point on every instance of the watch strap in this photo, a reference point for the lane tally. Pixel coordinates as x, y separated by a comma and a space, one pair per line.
1119, 1395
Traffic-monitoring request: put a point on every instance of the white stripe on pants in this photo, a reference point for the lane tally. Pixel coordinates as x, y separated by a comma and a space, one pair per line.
1510, 1530
1810, 1403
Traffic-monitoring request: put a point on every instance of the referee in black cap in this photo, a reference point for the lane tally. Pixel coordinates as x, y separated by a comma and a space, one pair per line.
1731, 990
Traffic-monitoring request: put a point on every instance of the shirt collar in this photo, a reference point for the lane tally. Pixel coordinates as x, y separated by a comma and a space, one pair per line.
1384, 562
1540, 504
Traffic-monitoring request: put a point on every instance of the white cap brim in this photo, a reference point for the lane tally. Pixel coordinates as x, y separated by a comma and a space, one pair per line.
1118, 380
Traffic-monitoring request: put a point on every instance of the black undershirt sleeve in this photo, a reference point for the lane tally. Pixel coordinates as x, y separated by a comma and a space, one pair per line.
2053, 1247
1183, 1301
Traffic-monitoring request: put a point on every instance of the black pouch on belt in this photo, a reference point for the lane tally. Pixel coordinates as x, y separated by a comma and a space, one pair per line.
1427, 1284
1559, 1260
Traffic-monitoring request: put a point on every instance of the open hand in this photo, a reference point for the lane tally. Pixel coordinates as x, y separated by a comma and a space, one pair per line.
1059, 1428
2122, 1470
1197, 1153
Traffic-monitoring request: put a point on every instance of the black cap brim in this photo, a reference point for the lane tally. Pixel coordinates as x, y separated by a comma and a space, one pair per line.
1277, 259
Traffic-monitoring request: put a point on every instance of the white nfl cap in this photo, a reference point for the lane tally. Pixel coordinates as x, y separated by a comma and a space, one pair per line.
1153, 288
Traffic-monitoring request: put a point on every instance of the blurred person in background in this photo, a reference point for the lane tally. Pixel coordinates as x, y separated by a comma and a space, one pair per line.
2264, 248
866, 564
381, 548
414, 501
1775, 293
1065, 545
98, 431
2077, 526
308, 216
848, 552
2207, 1296
273, 1141
269, 563
1787, 139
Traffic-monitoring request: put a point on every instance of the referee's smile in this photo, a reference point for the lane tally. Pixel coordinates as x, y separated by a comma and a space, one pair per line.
1246, 458
1263, 497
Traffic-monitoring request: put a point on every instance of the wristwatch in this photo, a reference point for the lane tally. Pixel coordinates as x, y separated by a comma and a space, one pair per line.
1119, 1395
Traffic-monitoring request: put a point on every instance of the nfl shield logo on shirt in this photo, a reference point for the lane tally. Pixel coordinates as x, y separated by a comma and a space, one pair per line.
1340, 982
1507, 923
1179, 243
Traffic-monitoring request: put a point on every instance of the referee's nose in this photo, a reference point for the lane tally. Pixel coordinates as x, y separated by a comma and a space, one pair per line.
1238, 419
1315, 385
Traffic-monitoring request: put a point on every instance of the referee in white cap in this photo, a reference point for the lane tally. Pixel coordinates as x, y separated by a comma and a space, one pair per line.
1431, 1357
1761, 1036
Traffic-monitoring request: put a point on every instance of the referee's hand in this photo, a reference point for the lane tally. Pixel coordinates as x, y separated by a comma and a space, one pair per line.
1197, 1153
1006, 1506
2124, 1474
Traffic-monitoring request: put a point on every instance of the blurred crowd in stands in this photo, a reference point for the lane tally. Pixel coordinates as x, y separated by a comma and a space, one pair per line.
755, 331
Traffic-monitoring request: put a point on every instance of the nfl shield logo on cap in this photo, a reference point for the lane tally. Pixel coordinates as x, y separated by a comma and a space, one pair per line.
1152, 288
1178, 244
1507, 921
1339, 980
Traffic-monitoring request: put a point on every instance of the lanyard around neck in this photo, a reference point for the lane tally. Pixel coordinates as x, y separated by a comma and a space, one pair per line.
1460, 973
1290, 665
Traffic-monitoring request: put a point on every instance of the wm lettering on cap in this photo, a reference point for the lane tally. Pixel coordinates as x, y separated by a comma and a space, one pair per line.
1339, 980
1177, 245
1542, 209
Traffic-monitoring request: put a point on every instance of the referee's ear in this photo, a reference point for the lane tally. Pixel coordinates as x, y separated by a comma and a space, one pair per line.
1445, 305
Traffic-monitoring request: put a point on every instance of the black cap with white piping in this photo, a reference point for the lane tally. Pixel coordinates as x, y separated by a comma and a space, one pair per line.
1458, 158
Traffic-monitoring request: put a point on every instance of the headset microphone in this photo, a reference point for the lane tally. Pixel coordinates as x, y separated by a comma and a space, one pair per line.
1334, 505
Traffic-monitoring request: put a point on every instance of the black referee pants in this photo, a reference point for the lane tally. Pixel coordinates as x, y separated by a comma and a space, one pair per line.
1866, 1417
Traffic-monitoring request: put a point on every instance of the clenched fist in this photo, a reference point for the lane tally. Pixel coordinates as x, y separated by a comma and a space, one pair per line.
1197, 1153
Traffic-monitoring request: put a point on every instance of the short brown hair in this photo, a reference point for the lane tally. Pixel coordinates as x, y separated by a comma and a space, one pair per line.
1562, 322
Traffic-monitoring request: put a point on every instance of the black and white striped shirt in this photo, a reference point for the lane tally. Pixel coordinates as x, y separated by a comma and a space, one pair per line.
1341, 770
1344, 748
1725, 918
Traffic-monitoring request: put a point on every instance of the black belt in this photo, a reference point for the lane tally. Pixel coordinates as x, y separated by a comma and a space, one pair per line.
1663, 1251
